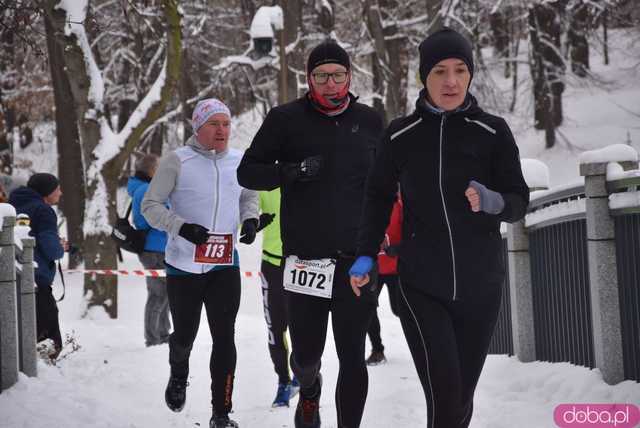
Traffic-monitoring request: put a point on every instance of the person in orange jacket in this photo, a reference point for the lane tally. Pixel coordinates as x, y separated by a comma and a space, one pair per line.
388, 274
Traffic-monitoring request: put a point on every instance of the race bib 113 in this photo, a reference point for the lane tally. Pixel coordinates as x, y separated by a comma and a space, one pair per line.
218, 250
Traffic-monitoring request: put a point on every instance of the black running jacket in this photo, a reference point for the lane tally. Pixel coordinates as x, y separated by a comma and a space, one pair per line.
319, 218
447, 250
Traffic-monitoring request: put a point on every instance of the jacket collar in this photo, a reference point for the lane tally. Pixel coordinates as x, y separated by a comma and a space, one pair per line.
425, 108
209, 154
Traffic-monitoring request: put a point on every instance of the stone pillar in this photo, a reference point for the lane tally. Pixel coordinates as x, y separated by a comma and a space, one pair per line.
603, 275
524, 345
27, 291
536, 174
8, 301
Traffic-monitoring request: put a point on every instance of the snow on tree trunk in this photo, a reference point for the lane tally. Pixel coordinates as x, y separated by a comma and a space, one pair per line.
104, 151
67, 139
577, 38
547, 68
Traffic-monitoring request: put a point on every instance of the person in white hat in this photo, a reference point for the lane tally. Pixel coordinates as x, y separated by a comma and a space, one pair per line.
207, 207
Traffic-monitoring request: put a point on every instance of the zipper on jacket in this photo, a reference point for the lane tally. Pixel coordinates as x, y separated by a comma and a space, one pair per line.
217, 193
444, 207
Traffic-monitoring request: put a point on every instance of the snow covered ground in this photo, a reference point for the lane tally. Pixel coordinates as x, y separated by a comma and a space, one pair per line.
114, 381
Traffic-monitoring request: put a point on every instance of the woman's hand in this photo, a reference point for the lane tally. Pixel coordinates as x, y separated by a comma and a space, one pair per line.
482, 199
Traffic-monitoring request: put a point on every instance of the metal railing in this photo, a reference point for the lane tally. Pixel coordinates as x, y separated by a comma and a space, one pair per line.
627, 232
561, 300
502, 340
578, 247
628, 252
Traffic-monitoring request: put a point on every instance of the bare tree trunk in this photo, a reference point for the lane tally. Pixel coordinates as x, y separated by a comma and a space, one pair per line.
7, 112
498, 21
187, 90
157, 139
292, 33
398, 51
378, 88
514, 74
605, 35
434, 14
577, 38
125, 109
546, 69
379, 60
68, 143
326, 17
389, 61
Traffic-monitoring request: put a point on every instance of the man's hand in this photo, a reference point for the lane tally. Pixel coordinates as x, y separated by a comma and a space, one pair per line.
248, 231
482, 199
265, 220
359, 273
65, 244
307, 170
194, 233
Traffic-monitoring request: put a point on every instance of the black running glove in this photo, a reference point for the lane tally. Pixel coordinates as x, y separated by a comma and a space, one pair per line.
194, 233
307, 170
249, 230
265, 220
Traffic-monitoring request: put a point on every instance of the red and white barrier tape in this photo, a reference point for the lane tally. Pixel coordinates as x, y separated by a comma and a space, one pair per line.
137, 272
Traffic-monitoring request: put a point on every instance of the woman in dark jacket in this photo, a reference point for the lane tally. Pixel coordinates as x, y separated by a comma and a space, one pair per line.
460, 175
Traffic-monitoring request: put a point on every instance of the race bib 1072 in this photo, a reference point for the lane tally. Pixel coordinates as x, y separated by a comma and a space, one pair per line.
312, 277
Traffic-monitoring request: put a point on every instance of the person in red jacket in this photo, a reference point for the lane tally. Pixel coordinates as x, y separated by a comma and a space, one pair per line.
388, 274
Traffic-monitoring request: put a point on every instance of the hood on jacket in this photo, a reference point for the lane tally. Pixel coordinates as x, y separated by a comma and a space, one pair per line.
134, 184
23, 195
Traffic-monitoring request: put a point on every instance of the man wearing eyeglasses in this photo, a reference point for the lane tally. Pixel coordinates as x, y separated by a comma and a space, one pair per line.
318, 150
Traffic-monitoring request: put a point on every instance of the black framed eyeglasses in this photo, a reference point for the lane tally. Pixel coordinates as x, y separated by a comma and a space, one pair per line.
322, 78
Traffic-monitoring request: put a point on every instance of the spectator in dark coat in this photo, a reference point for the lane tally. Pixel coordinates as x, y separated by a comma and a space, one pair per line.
36, 200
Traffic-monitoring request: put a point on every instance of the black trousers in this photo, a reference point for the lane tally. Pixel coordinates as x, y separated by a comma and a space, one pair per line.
350, 316
275, 314
374, 328
219, 291
449, 341
47, 324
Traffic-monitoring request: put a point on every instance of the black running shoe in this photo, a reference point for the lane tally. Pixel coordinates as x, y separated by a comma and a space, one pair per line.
308, 410
222, 422
176, 393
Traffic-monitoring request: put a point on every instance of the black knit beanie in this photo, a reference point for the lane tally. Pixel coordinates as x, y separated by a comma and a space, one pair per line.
444, 44
43, 183
328, 52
